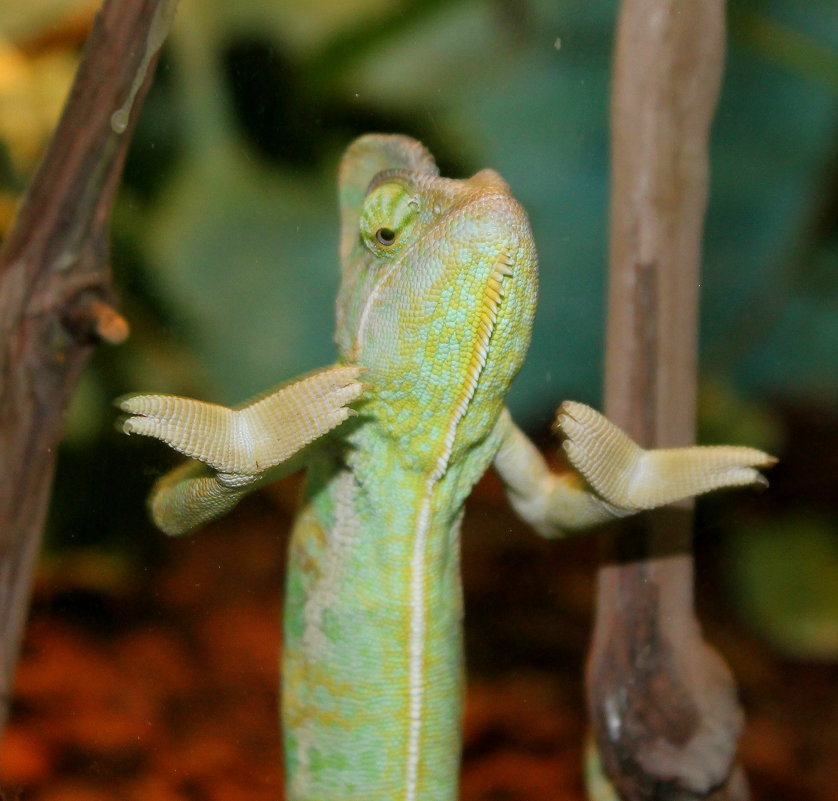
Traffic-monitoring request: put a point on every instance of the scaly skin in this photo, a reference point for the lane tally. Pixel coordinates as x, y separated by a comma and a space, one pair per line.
436, 304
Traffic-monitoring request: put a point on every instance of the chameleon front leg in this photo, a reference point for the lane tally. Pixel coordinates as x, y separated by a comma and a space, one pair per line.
239, 446
613, 476
191, 495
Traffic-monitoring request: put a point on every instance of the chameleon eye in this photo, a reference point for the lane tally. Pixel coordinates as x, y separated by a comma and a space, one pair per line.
385, 237
388, 218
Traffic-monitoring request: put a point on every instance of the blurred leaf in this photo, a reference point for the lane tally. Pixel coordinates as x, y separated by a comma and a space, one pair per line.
727, 416
803, 37
434, 56
303, 26
32, 92
248, 257
784, 576
36, 17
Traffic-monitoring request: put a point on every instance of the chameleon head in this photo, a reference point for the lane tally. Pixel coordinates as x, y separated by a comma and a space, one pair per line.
437, 302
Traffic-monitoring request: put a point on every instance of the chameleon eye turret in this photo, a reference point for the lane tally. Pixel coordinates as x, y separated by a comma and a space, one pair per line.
388, 218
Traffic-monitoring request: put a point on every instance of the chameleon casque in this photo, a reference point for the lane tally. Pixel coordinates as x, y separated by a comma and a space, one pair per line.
436, 303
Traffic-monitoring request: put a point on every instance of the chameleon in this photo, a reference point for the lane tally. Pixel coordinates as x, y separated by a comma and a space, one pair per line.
434, 315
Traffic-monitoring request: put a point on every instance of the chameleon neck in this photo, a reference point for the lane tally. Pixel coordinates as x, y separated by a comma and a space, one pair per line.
373, 656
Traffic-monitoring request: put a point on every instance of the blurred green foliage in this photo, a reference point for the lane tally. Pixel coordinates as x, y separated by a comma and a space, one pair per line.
785, 581
225, 235
254, 110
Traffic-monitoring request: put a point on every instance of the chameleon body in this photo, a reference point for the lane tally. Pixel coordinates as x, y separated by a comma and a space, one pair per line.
434, 315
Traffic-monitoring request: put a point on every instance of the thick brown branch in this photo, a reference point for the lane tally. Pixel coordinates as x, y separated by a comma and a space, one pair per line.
662, 702
55, 286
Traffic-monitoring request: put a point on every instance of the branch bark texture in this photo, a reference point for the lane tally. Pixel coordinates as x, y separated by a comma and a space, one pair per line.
663, 704
55, 293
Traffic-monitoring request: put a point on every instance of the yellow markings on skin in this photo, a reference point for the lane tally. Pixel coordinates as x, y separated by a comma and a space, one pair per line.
492, 297
491, 300
324, 595
340, 538
301, 716
392, 269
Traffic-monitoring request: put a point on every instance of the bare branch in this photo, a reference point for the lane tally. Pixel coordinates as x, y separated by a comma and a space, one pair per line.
662, 702
55, 293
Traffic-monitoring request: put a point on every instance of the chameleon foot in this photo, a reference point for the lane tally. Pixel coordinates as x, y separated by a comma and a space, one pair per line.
632, 478
252, 439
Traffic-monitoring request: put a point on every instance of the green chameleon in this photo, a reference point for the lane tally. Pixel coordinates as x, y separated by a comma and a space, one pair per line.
434, 314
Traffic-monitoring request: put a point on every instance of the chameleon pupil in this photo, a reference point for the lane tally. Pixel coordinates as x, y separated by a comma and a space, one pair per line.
385, 236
